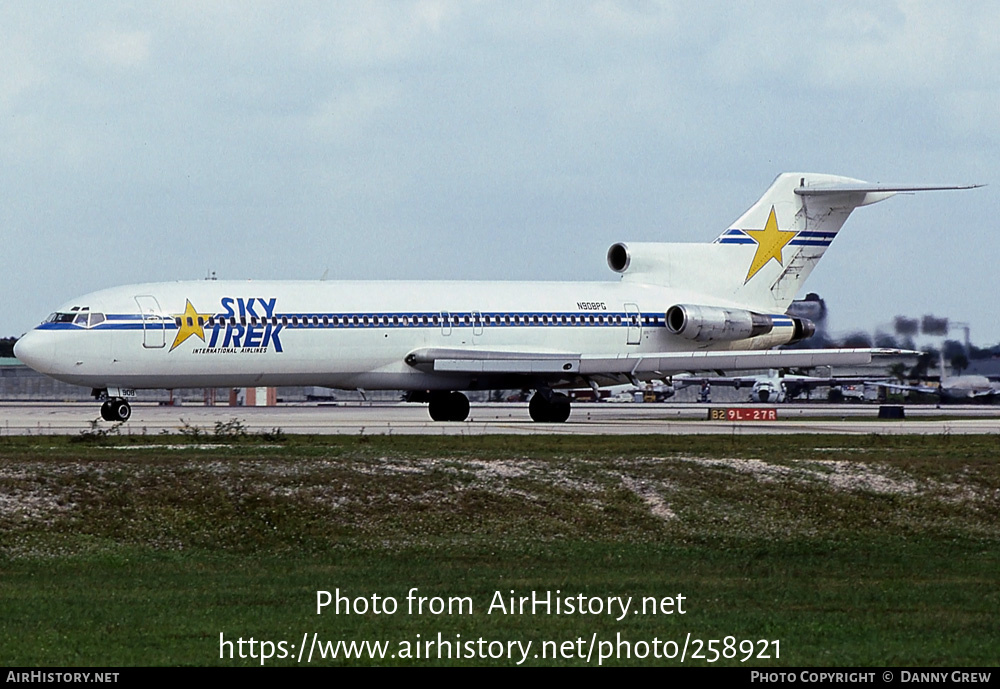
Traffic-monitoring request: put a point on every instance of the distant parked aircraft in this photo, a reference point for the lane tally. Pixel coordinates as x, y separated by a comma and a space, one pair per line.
776, 386
955, 388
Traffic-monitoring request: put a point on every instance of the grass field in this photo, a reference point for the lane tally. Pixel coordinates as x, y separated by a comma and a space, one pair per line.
822, 550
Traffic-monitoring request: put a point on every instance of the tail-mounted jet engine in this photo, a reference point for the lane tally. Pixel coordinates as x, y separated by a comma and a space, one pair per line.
718, 324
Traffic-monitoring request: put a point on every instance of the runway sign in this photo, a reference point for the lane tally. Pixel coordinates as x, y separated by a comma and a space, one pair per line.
743, 414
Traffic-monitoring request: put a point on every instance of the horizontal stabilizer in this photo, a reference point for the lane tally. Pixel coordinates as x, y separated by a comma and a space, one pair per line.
865, 188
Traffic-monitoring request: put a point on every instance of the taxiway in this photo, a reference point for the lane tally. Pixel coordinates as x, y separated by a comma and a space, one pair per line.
486, 419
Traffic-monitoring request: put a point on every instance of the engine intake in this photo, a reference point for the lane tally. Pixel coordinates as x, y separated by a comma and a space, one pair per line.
619, 258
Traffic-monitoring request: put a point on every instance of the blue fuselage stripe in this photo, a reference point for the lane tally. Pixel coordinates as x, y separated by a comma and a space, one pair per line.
408, 319
398, 320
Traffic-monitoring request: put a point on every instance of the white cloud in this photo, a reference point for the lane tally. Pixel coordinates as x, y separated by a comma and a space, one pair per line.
375, 33
543, 130
122, 49
347, 114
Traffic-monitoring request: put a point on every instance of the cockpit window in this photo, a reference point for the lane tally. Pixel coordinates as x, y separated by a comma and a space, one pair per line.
82, 318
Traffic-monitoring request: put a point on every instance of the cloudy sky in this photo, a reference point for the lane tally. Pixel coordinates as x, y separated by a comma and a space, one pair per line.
489, 140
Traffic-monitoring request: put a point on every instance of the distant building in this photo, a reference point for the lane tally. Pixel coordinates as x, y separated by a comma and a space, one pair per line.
18, 383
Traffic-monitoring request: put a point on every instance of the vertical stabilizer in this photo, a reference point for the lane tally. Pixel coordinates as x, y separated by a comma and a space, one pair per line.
786, 233
762, 259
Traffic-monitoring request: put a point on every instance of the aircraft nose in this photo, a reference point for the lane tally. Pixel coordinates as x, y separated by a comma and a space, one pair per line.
35, 350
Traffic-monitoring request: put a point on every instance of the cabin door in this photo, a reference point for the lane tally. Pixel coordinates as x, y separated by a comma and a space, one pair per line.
153, 322
633, 319
477, 326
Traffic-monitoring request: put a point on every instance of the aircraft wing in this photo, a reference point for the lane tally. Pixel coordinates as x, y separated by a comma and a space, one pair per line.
899, 387
646, 364
686, 380
799, 382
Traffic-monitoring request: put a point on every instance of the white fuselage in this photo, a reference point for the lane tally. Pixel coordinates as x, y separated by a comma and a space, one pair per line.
343, 334
968, 387
768, 390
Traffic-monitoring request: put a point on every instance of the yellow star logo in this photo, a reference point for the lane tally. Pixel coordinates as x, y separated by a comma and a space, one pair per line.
189, 323
770, 242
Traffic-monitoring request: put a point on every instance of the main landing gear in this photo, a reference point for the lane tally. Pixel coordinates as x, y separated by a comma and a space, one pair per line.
448, 406
545, 406
549, 407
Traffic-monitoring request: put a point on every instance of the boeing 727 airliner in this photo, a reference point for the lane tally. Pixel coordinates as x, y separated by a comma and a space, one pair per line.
676, 307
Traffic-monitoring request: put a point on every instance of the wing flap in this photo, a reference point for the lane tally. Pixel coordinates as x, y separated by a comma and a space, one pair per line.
475, 361
729, 360
496, 362
514, 366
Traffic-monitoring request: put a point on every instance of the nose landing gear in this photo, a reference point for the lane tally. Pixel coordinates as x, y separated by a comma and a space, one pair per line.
113, 408
116, 410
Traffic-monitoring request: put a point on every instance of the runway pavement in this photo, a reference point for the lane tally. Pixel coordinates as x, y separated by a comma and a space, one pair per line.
485, 419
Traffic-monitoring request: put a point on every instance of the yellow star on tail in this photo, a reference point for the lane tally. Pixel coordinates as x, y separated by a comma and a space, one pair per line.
191, 323
770, 242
